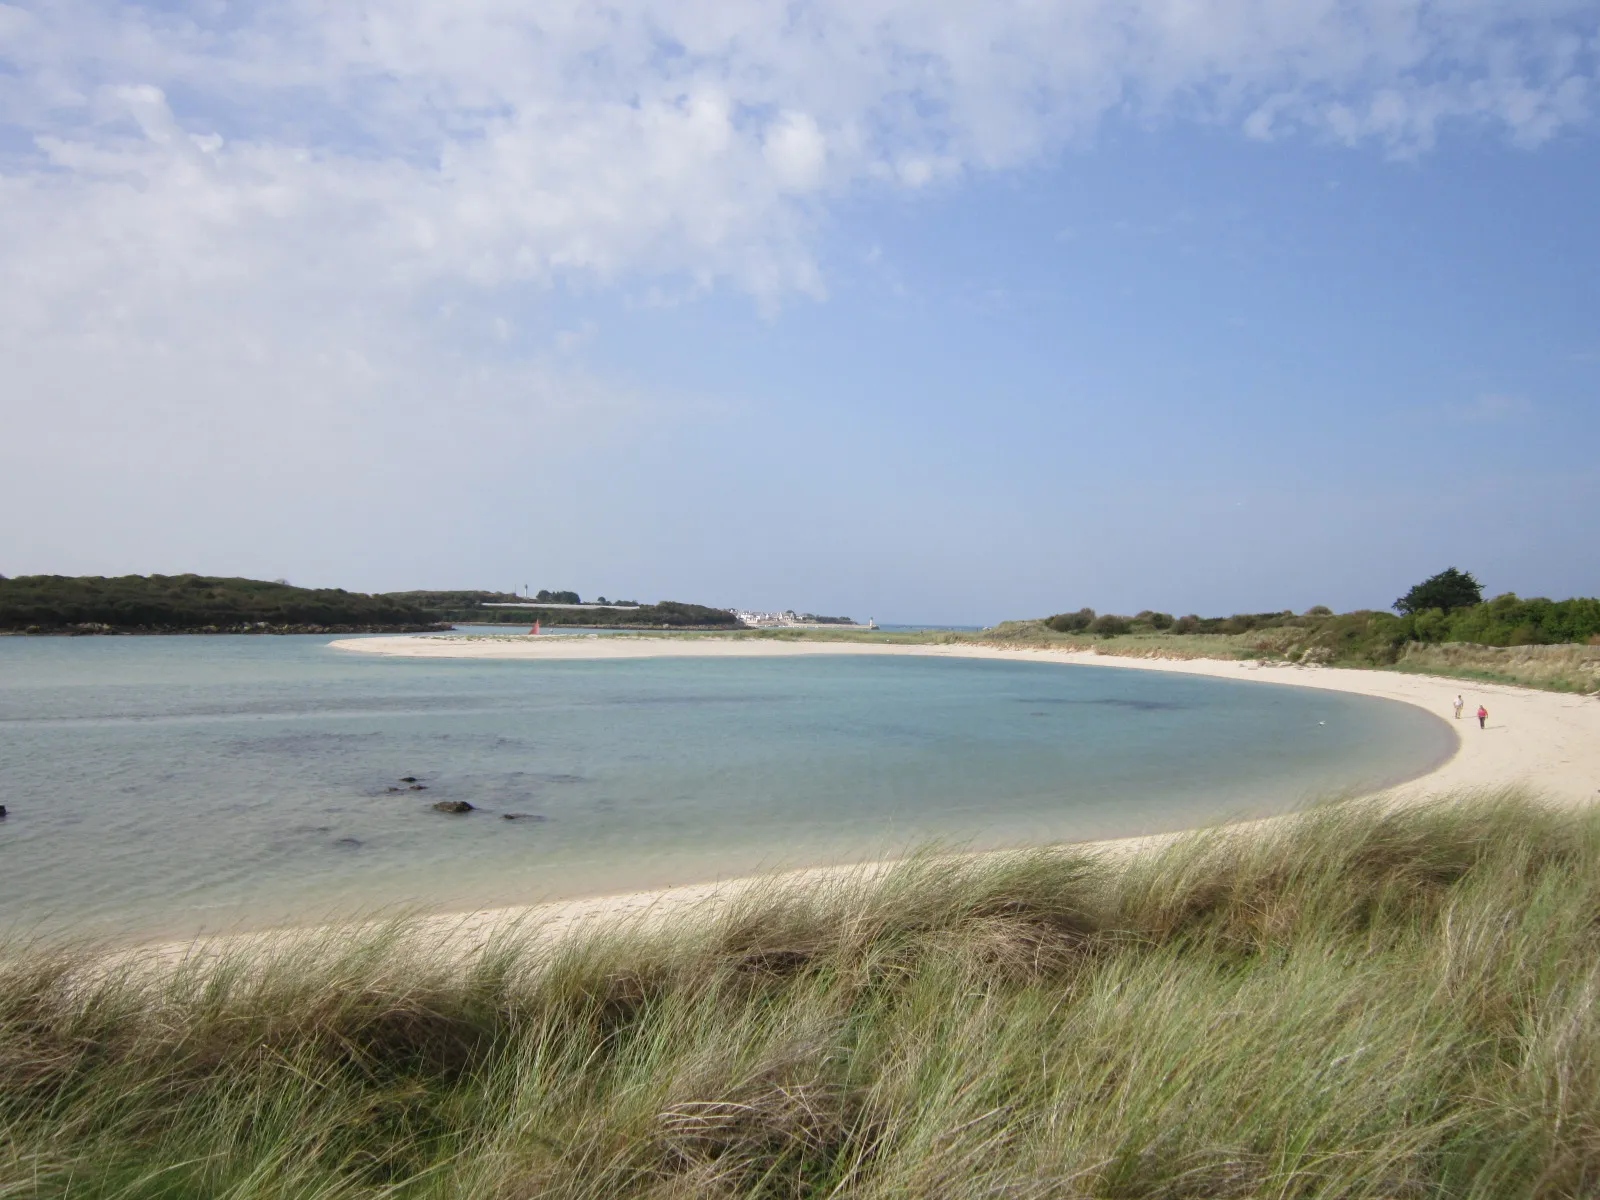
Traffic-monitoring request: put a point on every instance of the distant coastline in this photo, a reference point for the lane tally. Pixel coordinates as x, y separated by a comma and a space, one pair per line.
95, 629
78, 606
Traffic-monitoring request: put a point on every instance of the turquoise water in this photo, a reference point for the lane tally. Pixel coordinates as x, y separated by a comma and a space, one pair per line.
165, 785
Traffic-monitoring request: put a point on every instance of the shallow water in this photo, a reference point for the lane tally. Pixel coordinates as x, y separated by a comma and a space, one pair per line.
164, 785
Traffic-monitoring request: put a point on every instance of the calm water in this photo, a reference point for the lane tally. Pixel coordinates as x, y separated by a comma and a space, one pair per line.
165, 785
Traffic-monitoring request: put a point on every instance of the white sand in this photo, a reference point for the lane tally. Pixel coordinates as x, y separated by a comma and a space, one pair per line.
1545, 741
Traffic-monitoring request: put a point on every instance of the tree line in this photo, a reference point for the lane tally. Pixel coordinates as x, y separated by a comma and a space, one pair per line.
210, 604
1447, 607
195, 603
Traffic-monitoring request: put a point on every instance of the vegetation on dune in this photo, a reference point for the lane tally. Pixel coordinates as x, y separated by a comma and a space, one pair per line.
1443, 626
1354, 1003
450, 601
472, 608
204, 604
1363, 639
1449, 589
1557, 668
194, 603
1375, 638
668, 614
1444, 608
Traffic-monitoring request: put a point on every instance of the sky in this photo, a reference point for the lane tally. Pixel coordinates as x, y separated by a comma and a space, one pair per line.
925, 312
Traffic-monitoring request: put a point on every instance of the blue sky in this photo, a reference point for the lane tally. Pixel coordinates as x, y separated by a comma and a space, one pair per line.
924, 312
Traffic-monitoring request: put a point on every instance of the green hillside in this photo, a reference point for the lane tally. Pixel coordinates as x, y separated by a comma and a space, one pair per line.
195, 604
473, 608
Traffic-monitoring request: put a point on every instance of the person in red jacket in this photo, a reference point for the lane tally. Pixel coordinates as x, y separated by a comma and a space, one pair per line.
1483, 715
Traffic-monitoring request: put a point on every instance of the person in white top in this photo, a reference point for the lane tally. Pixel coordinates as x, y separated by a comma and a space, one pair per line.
1459, 704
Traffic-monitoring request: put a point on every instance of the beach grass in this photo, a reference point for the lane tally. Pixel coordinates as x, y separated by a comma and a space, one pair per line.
1353, 1002
1559, 668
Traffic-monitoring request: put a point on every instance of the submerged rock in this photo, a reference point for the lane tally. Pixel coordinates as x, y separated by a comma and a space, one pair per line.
408, 779
2, 812
453, 806
419, 787
523, 817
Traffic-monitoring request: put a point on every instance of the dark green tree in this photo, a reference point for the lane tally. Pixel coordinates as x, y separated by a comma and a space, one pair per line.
1449, 589
1075, 622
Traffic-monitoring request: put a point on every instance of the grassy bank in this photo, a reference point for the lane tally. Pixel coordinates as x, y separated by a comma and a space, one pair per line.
1552, 668
196, 604
1555, 668
1353, 1004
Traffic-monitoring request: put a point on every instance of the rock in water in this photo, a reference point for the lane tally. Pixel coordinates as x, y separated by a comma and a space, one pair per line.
408, 779
523, 817
452, 806
419, 787
2, 812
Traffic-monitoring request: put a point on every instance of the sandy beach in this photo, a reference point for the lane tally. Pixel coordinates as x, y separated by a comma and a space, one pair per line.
1546, 742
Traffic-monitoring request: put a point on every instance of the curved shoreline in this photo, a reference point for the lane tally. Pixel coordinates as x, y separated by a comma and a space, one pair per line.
1547, 742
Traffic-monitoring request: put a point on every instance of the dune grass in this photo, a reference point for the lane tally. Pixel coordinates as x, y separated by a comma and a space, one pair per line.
1354, 1003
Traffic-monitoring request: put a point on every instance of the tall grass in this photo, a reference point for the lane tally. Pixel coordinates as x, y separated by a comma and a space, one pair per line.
1556, 668
1353, 1003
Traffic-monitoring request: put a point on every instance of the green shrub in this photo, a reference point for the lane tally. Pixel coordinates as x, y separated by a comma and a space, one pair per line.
1109, 625
1075, 622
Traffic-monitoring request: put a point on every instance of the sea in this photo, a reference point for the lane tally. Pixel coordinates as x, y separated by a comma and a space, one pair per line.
164, 787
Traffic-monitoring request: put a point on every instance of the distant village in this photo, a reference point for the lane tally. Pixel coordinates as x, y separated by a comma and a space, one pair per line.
789, 619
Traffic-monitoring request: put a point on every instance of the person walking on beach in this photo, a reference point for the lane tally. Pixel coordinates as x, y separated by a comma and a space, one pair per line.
1459, 703
1483, 715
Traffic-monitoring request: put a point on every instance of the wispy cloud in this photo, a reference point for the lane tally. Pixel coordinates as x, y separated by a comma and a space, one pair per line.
284, 192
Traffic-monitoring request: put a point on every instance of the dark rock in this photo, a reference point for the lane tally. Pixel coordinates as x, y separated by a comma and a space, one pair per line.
418, 787
523, 817
452, 806
348, 843
393, 789
2, 812
408, 779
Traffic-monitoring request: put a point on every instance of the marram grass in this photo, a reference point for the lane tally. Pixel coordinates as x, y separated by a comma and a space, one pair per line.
1352, 1003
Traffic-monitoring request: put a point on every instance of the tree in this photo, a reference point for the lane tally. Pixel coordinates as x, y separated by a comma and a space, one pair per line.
1071, 622
1447, 590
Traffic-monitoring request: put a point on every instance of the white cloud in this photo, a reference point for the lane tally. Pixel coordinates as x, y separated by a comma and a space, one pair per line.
796, 151
216, 211
491, 142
